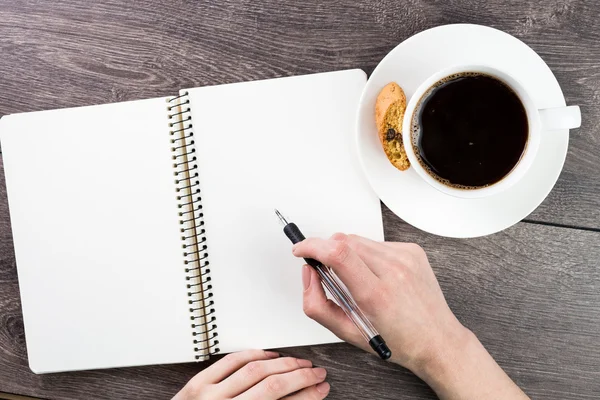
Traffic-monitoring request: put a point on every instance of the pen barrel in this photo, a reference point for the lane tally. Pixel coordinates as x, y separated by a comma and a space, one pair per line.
293, 233
342, 296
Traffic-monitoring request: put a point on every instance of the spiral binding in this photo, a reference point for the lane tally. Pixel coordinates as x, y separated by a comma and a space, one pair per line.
193, 235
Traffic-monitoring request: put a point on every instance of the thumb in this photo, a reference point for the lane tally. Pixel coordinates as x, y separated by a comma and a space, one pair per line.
326, 312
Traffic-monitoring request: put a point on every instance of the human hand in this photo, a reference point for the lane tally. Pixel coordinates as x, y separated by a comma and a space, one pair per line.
257, 374
396, 288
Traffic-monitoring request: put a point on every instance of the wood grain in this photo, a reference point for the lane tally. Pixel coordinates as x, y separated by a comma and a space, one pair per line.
8, 396
531, 293
66, 53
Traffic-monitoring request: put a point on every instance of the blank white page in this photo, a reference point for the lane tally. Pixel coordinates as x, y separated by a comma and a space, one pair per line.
95, 225
285, 143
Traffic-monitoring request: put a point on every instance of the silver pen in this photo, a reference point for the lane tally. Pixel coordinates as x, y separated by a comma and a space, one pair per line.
340, 294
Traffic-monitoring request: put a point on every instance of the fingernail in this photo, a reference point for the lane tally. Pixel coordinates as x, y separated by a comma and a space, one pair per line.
323, 388
304, 363
320, 372
271, 354
305, 276
294, 247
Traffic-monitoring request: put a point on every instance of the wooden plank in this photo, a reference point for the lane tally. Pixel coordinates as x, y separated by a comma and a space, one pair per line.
8, 396
531, 293
64, 54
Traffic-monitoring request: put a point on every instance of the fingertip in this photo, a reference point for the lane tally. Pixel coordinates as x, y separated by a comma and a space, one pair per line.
320, 373
299, 248
302, 363
307, 246
318, 391
323, 388
271, 354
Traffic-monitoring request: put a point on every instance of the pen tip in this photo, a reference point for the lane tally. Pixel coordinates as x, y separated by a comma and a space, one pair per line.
281, 217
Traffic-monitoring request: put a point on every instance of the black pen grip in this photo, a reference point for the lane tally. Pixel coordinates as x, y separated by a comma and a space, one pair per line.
293, 233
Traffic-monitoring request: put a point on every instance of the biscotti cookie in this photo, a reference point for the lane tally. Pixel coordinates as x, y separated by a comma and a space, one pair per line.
389, 113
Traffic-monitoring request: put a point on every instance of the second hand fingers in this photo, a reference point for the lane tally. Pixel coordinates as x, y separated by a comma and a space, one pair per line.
277, 386
231, 363
255, 371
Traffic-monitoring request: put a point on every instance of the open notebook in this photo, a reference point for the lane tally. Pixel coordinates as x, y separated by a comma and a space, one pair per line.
144, 231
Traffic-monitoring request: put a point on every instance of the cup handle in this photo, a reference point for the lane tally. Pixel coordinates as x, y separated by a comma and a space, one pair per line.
560, 118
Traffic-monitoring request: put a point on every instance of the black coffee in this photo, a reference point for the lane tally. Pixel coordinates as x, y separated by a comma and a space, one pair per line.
469, 130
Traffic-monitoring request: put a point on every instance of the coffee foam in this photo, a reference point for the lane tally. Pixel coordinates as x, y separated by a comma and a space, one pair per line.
416, 129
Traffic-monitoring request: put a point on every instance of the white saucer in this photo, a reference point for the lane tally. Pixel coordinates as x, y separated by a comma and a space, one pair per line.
410, 197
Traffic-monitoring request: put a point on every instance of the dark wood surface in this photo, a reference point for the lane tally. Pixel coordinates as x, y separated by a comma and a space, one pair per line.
531, 293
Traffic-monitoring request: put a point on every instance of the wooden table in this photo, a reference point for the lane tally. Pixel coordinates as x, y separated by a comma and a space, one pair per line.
531, 293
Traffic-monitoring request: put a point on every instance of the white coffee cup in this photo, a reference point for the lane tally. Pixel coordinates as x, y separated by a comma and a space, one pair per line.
540, 122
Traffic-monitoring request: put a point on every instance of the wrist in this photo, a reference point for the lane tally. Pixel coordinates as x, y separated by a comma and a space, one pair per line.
442, 355
463, 369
